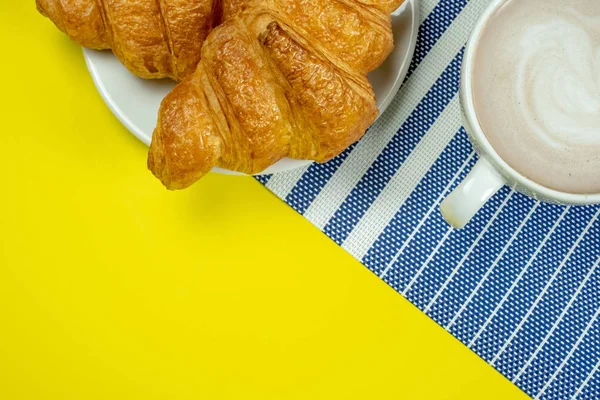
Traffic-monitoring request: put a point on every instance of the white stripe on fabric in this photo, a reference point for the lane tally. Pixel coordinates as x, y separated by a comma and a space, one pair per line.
577, 343
411, 94
427, 215
282, 184
519, 277
426, 263
404, 181
427, 7
468, 253
586, 381
557, 323
493, 266
544, 290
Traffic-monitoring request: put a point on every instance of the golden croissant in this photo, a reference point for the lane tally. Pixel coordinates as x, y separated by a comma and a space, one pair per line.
152, 38
284, 78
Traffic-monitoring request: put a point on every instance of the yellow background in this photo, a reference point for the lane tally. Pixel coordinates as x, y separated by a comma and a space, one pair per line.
113, 288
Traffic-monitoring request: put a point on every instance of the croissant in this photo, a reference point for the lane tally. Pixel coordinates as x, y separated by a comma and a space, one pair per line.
152, 38
284, 78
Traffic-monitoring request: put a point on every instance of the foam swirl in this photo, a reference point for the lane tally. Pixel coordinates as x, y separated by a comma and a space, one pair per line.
558, 81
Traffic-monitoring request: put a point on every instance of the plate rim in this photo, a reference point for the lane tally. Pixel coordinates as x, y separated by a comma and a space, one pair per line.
414, 4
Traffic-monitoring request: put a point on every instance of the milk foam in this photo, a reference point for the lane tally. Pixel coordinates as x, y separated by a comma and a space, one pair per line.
537, 90
558, 82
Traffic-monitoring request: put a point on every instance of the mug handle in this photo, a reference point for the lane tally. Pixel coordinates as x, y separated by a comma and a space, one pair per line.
471, 195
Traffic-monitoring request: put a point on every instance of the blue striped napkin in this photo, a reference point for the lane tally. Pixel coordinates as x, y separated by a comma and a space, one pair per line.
520, 285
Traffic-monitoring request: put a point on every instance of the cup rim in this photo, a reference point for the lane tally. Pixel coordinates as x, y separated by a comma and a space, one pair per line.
486, 147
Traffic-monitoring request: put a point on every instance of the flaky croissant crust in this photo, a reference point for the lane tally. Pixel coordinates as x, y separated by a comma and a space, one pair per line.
284, 78
152, 38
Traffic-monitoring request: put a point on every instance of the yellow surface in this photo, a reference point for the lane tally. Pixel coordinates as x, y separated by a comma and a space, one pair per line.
113, 288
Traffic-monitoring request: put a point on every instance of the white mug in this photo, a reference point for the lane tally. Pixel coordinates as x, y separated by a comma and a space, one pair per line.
491, 172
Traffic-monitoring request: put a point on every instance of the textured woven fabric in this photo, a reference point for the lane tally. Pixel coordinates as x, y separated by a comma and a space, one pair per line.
520, 285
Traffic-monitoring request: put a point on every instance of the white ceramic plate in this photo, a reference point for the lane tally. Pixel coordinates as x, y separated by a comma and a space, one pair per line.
135, 102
